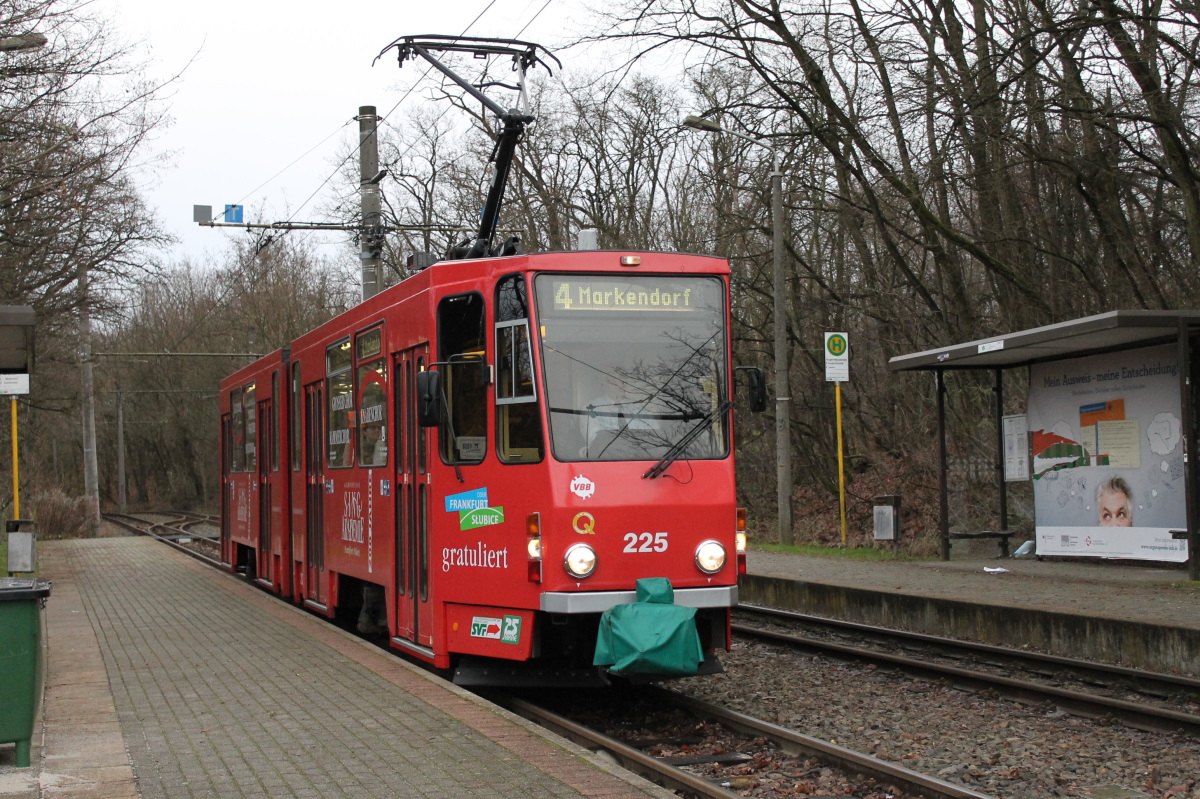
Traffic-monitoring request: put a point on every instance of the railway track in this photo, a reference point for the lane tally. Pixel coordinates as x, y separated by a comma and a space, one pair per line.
995, 664
747, 751
181, 530
753, 763
760, 744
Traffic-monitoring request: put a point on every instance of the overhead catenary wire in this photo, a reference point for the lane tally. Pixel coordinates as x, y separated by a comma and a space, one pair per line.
286, 226
382, 118
354, 150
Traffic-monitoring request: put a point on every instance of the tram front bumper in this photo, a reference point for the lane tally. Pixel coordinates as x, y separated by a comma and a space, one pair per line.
721, 596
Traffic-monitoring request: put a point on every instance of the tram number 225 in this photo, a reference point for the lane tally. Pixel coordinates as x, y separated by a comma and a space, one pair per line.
645, 542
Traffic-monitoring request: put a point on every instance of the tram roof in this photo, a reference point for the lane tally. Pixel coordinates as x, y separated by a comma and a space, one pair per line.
1106, 332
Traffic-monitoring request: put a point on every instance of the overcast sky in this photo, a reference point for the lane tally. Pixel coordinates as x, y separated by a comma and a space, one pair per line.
270, 80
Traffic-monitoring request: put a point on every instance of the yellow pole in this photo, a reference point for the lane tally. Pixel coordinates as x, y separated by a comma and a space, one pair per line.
841, 463
16, 479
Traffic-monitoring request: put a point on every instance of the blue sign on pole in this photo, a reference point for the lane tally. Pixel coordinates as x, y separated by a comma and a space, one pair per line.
233, 213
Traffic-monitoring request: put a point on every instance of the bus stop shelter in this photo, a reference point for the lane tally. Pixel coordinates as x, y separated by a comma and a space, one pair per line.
1092, 366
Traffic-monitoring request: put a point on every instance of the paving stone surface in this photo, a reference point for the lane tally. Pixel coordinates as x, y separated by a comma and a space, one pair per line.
167, 679
214, 689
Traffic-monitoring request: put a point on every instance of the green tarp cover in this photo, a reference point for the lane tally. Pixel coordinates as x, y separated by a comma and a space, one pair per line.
650, 636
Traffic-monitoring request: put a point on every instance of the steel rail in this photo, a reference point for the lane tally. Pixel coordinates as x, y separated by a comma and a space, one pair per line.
786, 740
797, 743
658, 772
651, 768
1147, 679
148, 528
1142, 717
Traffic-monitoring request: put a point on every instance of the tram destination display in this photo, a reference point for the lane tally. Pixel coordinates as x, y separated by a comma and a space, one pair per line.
640, 295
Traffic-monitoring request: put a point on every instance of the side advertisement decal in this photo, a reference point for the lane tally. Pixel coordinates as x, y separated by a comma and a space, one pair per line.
473, 509
479, 556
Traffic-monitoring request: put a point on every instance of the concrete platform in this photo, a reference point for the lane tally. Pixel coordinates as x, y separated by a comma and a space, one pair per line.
1117, 611
169, 679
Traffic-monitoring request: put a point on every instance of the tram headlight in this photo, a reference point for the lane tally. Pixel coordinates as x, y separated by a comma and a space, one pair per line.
580, 560
710, 557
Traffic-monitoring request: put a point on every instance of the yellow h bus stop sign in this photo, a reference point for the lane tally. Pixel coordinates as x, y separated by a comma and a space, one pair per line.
837, 358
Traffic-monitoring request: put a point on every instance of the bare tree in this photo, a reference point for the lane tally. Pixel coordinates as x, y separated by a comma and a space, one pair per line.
74, 119
151, 367
958, 169
75, 116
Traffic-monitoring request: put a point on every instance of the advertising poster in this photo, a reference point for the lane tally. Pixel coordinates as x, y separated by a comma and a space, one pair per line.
1107, 451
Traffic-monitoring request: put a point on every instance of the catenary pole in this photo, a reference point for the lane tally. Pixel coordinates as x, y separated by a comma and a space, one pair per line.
371, 238
91, 470
122, 496
783, 415
783, 436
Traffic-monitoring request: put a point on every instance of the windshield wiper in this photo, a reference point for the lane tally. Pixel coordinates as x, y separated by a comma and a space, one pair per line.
679, 446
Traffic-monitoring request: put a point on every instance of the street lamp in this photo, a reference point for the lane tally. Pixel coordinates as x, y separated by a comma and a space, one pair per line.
29, 41
783, 444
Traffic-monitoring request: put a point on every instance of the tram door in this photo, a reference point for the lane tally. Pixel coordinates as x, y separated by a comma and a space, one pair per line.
262, 562
227, 489
314, 478
413, 611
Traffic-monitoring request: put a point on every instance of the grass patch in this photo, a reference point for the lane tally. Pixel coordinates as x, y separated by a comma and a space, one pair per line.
848, 553
1181, 585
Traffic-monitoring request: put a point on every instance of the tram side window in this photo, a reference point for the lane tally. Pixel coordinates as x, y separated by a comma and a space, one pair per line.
518, 419
462, 346
422, 455
339, 392
248, 397
372, 397
294, 427
275, 421
237, 423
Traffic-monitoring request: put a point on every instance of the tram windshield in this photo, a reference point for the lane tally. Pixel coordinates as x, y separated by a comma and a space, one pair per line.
633, 364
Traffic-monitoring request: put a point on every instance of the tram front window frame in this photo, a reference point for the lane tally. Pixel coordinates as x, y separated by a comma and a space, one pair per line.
631, 364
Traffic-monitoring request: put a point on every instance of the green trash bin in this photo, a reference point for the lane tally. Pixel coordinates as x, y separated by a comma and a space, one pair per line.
22, 664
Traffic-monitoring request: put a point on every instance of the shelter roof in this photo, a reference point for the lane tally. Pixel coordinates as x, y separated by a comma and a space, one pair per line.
1106, 332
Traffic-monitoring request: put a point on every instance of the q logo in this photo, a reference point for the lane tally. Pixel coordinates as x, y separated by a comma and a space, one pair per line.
584, 523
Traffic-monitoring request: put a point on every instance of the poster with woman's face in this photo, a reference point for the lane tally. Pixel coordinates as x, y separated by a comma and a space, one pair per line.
1107, 454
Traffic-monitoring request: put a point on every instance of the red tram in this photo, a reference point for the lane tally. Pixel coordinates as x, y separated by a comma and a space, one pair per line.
583, 441
480, 461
